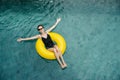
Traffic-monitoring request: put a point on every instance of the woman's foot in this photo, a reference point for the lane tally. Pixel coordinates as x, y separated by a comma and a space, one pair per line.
62, 66
65, 65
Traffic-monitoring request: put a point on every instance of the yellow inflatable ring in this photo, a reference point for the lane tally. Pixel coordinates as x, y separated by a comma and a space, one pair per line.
43, 52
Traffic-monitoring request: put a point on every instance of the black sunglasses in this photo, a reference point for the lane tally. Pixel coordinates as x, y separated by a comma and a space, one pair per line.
40, 28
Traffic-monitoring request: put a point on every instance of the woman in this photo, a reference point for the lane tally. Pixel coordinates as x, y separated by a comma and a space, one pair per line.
48, 42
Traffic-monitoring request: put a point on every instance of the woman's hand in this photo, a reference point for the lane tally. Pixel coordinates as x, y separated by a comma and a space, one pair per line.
19, 40
59, 19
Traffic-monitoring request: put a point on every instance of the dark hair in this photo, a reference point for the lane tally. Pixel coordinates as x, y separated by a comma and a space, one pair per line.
38, 27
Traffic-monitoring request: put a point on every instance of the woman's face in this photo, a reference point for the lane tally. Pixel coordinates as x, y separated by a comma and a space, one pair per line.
41, 29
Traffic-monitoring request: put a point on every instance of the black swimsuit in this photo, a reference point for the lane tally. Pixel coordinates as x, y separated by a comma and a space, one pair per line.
48, 42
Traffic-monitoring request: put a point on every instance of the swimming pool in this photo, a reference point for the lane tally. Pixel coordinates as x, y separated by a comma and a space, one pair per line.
90, 28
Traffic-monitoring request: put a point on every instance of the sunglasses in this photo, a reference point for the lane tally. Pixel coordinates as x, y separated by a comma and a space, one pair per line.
40, 29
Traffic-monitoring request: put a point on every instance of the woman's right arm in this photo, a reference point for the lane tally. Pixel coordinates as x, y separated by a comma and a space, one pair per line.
51, 28
30, 38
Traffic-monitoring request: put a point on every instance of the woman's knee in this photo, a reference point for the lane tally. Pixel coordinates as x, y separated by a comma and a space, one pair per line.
57, 49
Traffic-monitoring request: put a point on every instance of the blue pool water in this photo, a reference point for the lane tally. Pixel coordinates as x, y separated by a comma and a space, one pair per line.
91, 29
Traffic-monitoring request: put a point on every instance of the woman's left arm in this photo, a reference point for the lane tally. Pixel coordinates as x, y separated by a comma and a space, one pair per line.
51, 28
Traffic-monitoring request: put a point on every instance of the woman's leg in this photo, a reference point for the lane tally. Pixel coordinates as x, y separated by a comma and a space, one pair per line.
57, 56
60, 55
